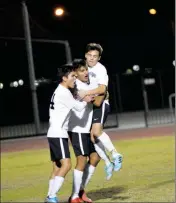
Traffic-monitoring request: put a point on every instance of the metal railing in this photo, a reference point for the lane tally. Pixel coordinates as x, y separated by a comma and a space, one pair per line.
171, 106
137, 108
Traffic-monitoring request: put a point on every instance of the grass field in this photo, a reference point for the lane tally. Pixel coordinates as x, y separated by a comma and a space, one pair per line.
147, 176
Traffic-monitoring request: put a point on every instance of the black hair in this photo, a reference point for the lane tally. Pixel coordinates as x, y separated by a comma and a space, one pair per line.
78, 63
64, 70
94, 46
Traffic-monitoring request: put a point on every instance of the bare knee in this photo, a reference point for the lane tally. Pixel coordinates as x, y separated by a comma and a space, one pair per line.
97, 129
94, 159
56, 168
81, 163
66, 165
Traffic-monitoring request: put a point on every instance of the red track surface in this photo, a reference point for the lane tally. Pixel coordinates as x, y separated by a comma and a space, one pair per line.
41, 142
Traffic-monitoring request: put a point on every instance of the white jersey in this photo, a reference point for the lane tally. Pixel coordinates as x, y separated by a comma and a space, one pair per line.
80, 121
61, 104
98, 76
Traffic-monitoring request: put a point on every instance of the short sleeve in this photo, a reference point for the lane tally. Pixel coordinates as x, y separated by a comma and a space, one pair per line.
71, 103
103, 78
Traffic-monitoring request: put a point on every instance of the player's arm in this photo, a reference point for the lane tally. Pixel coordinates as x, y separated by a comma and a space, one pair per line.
71, 103
79, 106
101, 89
98, 100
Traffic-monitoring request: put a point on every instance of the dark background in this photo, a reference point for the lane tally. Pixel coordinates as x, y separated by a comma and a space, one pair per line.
128, 33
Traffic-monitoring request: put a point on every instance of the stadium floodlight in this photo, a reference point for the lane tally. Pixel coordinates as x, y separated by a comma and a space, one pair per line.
59, 11
136, 68
20, 82
152, 11
36, 83
1, 85
15, 84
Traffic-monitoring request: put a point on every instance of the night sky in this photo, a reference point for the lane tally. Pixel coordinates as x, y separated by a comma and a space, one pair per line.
128, 34
125, 29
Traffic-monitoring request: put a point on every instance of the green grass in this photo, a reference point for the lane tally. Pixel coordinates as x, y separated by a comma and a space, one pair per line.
147, 174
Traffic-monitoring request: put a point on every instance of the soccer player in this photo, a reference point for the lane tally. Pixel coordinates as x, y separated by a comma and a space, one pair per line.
79, 132
62, 102
99, 77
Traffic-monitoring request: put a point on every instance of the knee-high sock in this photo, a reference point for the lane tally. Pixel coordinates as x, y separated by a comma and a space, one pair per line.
107, 143
51, 181
100, 149
88, 172
57, 184
77, 180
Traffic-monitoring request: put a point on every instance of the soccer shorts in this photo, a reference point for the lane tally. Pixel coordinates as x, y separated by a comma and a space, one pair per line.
100, 114
59, 148
82, 144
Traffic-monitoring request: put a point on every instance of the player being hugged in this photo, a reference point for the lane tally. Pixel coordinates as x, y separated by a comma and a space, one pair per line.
99, 77
79, 131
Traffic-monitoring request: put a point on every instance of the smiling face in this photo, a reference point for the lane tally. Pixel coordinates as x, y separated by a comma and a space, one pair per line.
82, 73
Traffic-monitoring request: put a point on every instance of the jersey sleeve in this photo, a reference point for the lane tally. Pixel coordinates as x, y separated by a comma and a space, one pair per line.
103, 78
71, 103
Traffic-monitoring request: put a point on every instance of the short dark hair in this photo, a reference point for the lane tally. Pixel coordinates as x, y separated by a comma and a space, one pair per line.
94, 46
64, 70
78, 63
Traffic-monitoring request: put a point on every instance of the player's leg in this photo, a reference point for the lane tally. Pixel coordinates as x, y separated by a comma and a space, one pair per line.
51, 180
55, 168
77, 178
60, 156
89, 171
109, 166
100, 149
99, 118
80, 147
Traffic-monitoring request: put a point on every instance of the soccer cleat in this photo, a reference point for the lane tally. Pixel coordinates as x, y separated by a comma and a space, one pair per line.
51, 200
118, 162
75, 200
84, 197
108, 170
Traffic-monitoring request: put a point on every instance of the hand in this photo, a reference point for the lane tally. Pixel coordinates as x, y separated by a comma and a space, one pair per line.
82, 93
88, 99
93, 97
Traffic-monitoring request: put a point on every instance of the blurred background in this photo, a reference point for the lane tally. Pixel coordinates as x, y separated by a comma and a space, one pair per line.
138, 38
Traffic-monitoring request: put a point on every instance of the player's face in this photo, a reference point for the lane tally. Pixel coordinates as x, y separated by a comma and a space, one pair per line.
92, 57
70, 79
82, 74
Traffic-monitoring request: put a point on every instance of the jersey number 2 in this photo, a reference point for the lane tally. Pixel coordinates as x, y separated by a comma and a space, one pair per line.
52, 102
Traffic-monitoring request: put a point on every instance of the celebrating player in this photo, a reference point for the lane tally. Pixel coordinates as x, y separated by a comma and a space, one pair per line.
98, 76
79, 132
62, 102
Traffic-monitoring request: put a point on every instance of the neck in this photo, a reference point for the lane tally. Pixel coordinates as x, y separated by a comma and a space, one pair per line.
64, 85
92, 66
82, 81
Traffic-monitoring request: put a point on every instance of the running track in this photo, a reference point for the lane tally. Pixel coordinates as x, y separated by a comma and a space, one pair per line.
115, 134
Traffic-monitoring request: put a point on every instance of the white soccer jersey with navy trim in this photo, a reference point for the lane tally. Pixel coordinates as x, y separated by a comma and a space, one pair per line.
61, 104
